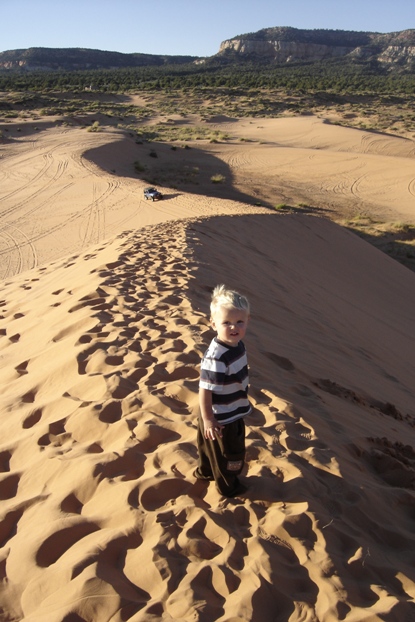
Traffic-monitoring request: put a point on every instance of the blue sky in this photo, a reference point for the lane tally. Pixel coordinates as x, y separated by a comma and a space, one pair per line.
194, 27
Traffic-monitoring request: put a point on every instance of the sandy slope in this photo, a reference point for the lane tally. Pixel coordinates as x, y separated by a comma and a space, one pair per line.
100, 516
55, 200
63, 188
326, 166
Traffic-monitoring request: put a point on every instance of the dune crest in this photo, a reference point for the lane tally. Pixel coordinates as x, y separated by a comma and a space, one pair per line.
101, 518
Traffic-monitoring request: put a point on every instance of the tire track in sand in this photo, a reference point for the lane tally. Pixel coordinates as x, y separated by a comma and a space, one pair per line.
95, 212
49, 161
20, 252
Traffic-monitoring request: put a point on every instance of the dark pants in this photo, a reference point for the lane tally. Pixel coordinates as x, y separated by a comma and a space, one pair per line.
223, 458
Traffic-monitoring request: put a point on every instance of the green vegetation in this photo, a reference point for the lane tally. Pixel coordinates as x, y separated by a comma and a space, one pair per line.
169, 132
218, 179
335, 76
94, 127
363, 95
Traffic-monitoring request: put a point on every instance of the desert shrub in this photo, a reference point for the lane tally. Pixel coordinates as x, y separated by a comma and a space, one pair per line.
94, 127
218, 178
402, 227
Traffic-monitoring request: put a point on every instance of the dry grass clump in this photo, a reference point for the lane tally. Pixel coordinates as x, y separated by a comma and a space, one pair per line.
218, 179
169, 132
396, 239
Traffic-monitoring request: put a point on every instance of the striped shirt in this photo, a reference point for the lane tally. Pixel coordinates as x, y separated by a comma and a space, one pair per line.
224, 371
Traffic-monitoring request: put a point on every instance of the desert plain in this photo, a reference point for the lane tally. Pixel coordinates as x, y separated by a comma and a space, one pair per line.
103, 320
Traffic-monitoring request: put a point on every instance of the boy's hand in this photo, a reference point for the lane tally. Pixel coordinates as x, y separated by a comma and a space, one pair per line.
212, 429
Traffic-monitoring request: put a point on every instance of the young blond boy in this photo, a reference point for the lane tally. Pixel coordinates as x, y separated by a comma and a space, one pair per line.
223, 394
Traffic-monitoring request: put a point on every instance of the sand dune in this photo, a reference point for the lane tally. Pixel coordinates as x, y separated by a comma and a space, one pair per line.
328, 166
100, 516
63, 188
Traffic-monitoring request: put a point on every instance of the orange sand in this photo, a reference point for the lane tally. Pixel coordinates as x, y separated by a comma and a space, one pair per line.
100, 517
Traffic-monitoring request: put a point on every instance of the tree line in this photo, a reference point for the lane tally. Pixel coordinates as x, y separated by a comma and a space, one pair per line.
333, 77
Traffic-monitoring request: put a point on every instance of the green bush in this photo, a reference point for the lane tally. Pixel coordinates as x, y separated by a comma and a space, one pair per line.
94, 127
218, 179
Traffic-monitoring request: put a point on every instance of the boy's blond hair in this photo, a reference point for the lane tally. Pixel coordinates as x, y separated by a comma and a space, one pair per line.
229, 298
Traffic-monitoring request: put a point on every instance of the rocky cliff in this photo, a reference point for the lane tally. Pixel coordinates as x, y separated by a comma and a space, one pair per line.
287, 45
394, 50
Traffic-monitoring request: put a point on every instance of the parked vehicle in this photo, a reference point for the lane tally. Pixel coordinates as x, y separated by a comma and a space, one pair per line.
153, 194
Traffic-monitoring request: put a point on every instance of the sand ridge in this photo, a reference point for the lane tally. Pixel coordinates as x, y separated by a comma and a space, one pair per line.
101, 516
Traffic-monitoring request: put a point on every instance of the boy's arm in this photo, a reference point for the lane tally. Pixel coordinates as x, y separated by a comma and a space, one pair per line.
211, 425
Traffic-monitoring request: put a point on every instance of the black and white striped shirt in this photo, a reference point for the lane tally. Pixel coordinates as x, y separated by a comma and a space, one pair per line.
224, 371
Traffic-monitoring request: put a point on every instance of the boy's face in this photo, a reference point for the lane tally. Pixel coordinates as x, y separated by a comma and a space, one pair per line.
230, 325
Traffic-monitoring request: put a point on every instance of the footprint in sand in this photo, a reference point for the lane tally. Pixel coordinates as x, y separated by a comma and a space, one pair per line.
297, 437
84, 339
94, 448
196, 546
8, 525
53, 547
71, 504
5, 457
22, 368
127, 467
111, 412
152, 435
162, 374
29, 397
56, 435
160, 493
32, 419
9, 485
